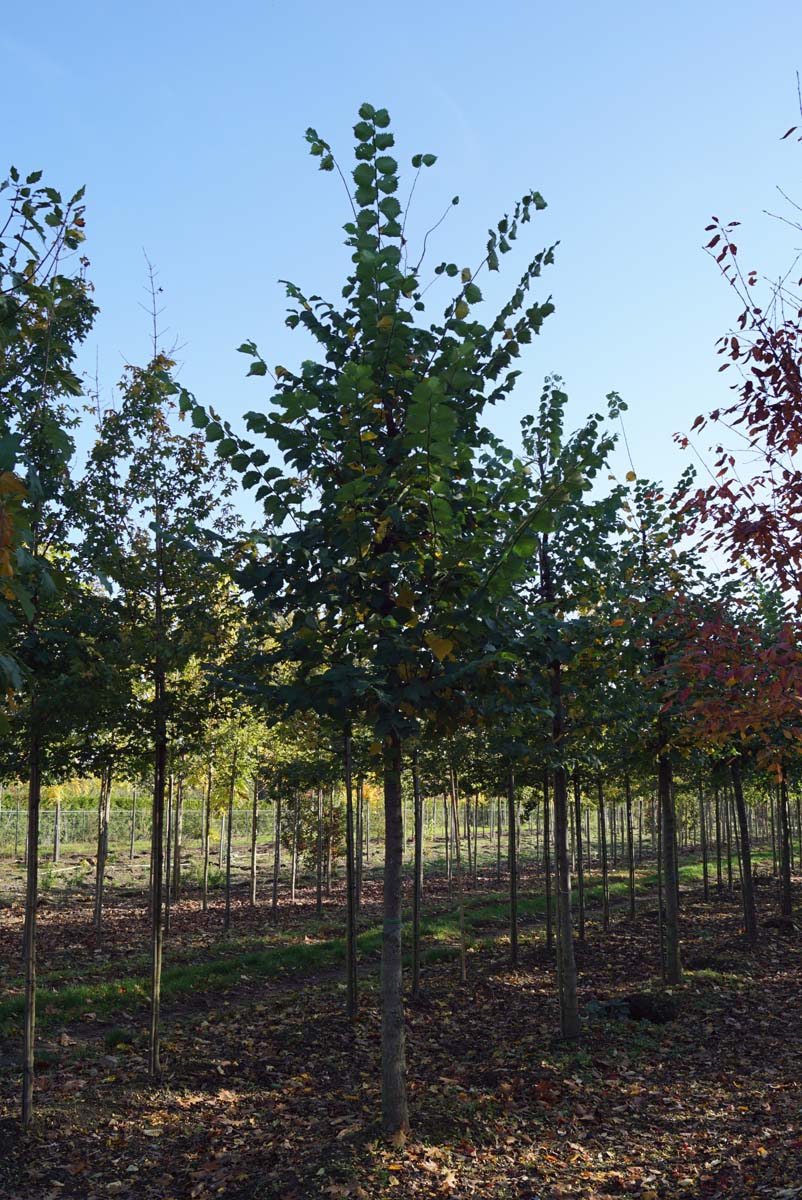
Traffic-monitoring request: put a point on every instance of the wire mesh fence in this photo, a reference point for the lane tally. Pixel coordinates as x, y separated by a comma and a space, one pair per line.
78, 827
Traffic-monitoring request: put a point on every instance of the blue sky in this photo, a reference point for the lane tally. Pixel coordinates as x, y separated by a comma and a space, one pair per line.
636, 122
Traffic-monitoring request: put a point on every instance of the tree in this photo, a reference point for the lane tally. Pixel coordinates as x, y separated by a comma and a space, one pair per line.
394, 520
45, 313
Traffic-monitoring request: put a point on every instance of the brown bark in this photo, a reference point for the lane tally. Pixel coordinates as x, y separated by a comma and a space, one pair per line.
668, 824
29, 929
747, 883
395, 1113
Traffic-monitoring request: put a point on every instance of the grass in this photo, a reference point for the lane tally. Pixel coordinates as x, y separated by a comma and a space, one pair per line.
226, 965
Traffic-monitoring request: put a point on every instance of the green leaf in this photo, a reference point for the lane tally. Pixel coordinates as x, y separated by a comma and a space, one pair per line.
257, 368
429, 159
367, 112
381, 118
364, 175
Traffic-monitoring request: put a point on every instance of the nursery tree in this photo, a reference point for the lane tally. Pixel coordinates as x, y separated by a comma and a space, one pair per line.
393, 520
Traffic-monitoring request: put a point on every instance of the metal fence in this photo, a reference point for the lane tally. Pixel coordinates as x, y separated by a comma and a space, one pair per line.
78, 827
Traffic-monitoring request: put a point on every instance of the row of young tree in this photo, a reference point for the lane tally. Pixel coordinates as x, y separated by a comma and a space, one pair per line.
417, 597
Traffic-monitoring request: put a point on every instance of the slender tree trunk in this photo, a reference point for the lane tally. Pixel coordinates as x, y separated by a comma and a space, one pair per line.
747, 883
350, 886
417, 883
661, 924
468, 837
566, 964
276, 857
57, 833
168, 864
29, 929
395, 1115
207, 833
319, 853
673, 961
103, 817
178, 837
133, 822
157, 868
773, 831
580, 867
294, 851
786, 899
254, 836
231, 789
640, 830
360, 835
512, 853
728, 833
547, 860
452, 778
498, 840
717, 803
446, 833
703, 839
222, 848
603, 851
630, 845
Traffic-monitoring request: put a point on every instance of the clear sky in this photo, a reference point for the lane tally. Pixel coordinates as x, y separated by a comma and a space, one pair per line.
636, 121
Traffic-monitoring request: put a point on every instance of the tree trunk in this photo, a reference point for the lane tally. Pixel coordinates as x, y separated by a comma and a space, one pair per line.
103, 817
294, 850
668, 821
178, 837
547, 860
133, 822
157, 872
29, 929
417, 882
513, 868
276, 857
452, 778
727, 829
603, 851
231, 789
786, 904
395, 1115
703, 839
630, 845
580, 866
254, 836
360, 836
57, 833
350, 887
319, 853
207, 833
747, 883
168, 865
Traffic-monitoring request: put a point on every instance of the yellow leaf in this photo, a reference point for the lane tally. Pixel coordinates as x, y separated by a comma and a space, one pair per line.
466, 274
618, 622
405, 597
368, 435
11, 485
440, 647
382, 528
462, 310
386, 322
631, 477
